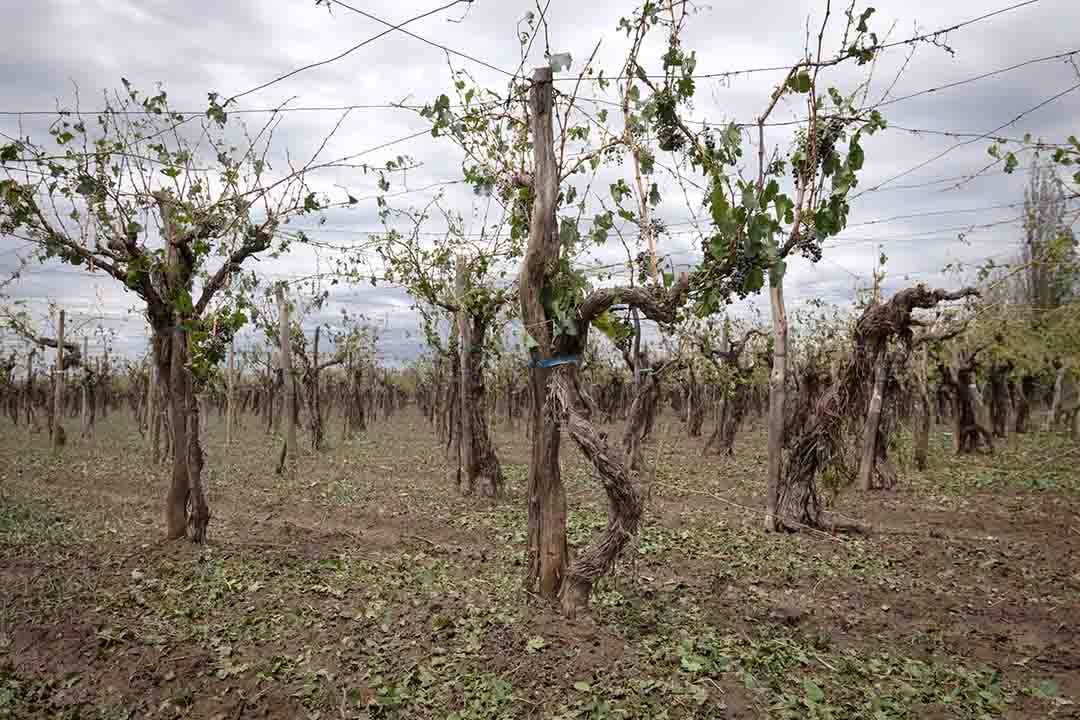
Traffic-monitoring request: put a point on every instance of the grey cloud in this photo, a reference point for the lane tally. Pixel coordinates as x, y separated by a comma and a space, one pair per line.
197, 46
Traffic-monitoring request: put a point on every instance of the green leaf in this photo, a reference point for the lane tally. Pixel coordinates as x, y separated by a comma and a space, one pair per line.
800, 82
582, 686
771, 191
692, 663
813, 692
86, 185
536, 644
648, 162
1010, 162
755, 279
1047, 689
569, 235
654, 195
748, 196
856, 156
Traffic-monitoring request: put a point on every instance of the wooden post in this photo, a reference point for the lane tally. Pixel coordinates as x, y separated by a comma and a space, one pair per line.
287, 377
85, 419
777, 403
548, 556
153, 412
870, 430
269, 392
316, 411
58, 387
230, 393
30, 391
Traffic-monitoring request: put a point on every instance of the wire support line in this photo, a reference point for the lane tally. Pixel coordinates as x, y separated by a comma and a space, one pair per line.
976, 78
444, 48
351, 50
924, 37
976, 138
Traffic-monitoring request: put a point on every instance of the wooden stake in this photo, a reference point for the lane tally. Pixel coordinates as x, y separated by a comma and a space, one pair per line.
287, 376
58, 387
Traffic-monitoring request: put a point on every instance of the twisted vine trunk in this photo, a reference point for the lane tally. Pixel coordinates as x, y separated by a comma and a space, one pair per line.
187, 462
1000, 402
1023, 403
822, 443
479, 461
1055, 400
638, 418
695, 412
731, 417
969, 414
921, 440
625, 503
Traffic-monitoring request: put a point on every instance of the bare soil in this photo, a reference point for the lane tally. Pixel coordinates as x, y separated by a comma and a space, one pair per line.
363, 586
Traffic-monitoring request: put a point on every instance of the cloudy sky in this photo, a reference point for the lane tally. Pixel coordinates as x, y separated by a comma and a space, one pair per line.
908, 201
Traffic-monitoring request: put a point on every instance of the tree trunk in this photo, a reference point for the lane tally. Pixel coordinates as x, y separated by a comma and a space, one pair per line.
178, 392
870, 432
200, 512
777, 403
58, 388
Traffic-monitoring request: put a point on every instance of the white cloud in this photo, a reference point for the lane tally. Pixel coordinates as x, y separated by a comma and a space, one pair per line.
198, 46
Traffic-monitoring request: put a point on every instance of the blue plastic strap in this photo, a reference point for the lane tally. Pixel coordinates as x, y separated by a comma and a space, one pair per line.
564, 360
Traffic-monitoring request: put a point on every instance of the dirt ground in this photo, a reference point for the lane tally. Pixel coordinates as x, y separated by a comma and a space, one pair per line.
364, 586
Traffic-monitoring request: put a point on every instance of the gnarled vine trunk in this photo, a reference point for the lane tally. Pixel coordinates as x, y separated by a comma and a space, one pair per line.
625, 503
480, 464
642, 409
1000, 399
822, 443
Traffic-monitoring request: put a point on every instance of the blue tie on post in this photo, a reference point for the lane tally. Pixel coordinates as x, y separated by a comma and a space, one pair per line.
564, 360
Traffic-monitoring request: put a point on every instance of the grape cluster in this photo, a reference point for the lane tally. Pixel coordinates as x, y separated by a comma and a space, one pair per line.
740, 275
810, 247
832, 132
668, 131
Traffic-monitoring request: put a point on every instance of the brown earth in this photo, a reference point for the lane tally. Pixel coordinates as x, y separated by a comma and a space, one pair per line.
363, 585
